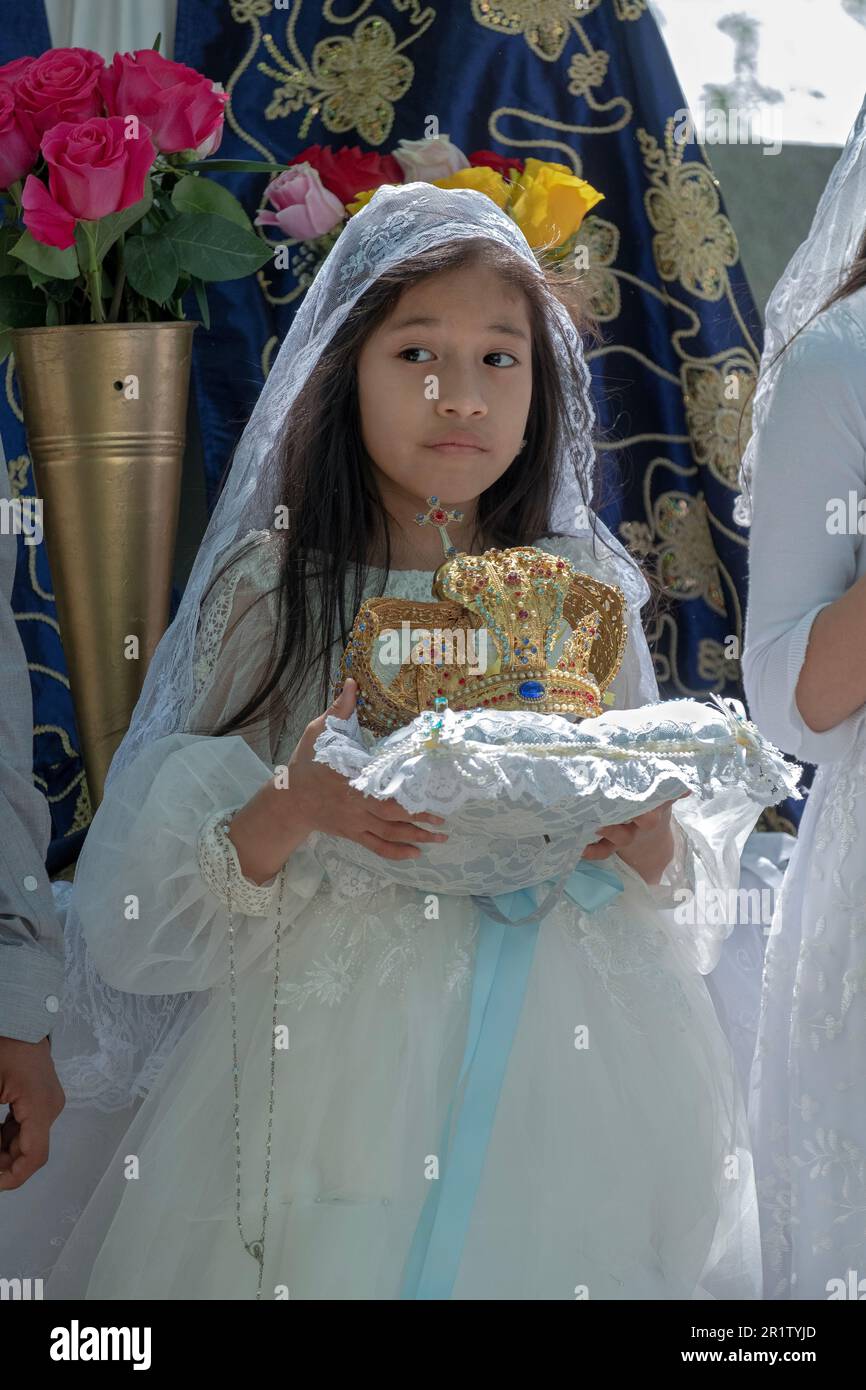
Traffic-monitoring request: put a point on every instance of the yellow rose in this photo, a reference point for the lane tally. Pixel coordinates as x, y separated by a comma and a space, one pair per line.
550, 203
359, 201
482, 178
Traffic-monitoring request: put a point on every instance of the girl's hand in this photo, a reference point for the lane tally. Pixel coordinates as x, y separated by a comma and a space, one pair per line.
645, 843
318, 798
276, 820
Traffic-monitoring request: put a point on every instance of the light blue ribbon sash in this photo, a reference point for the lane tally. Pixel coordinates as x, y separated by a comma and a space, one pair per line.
505, 948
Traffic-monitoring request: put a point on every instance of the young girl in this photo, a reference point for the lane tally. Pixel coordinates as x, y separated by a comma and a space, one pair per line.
292, 1139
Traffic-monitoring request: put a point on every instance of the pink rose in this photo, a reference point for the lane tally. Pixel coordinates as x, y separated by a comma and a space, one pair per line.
93, 170
61, 85
10, 72
18, 154
45, 219
214, 140
428, 160
304, 207
182, 108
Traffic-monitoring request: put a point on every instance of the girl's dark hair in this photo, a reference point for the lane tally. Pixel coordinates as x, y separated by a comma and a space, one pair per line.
854, 278
329, 489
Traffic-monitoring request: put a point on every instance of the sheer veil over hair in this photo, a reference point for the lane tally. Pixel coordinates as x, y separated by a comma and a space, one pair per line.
813, 273
135, 1033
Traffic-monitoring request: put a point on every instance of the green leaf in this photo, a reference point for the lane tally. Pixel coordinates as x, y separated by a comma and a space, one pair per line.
50, 261
9, 237
5, 343
151, 266
108, 229
213, 248
237, 166
157, 41
195, 194
52, 314
21, 304
201, 299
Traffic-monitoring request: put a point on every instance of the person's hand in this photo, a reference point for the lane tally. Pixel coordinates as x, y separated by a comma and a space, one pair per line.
322, 799
277, 819
29, 1085
644, 843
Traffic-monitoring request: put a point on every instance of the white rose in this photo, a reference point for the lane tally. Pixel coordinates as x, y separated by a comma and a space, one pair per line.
425, 161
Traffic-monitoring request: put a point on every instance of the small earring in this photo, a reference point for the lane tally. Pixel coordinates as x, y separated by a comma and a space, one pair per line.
522, 442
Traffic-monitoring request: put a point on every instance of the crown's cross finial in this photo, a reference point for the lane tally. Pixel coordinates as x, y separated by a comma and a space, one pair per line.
439, 517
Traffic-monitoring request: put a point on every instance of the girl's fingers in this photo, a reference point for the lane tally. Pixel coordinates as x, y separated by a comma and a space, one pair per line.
404, 832
620, 835
386, 848
601, 849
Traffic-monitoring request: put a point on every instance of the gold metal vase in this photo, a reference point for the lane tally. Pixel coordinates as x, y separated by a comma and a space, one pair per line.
105, 413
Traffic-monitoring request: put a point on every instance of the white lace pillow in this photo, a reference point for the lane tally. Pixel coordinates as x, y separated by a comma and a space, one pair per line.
525, 793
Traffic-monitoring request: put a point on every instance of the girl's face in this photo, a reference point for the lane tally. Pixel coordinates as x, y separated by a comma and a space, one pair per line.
453, 359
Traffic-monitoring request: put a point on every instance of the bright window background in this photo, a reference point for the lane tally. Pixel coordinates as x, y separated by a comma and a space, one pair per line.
803, 58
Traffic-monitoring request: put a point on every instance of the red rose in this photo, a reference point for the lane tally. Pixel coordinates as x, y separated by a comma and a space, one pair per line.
489, 159
18, 154
182, 109
61, 85
93, 169
348, 172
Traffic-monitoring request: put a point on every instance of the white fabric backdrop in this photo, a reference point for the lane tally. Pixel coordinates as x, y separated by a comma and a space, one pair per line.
112, 26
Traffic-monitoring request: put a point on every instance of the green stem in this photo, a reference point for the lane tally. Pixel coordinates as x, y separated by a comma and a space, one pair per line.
94, 278
118, 284
15, 193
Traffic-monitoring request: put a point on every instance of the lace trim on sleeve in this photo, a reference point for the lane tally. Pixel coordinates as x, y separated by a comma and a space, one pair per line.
221, 869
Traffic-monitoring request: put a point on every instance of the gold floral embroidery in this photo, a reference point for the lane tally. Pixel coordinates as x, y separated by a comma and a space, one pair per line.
245, 11
695, 243
352, 83
715, 665
544, 24
630, 9
600, 242
638, 537
586, 70
687, 562
714, 400
18, 470
773, 820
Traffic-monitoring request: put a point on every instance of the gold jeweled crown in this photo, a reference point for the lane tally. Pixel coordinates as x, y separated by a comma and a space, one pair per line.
524, 599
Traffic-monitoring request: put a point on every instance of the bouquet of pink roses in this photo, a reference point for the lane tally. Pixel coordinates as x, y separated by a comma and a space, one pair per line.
101, 163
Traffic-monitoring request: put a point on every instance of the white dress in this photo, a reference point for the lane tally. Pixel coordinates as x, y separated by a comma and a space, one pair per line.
808, 1097
614, 1170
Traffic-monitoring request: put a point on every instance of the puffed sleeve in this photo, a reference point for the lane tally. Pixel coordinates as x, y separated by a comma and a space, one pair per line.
812, 448
157, 873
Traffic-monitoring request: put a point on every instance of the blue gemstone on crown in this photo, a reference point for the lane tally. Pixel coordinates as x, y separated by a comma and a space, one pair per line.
531, 690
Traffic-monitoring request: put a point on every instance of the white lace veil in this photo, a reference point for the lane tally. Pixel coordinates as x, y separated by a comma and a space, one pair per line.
134, 1033
815, 270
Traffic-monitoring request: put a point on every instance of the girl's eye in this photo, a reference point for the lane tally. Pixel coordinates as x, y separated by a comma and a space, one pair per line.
490, 354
